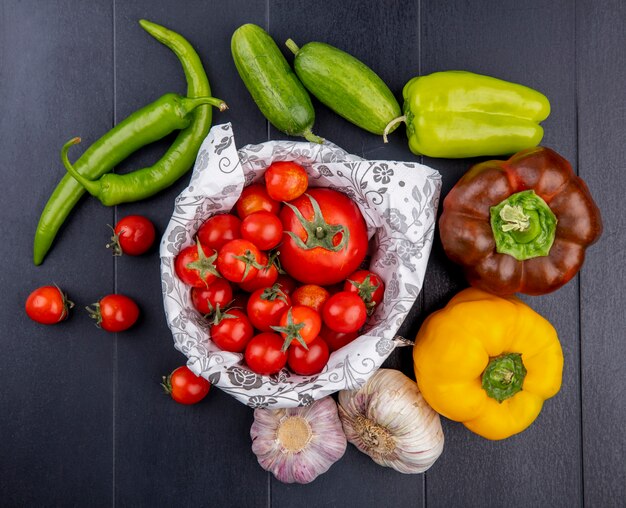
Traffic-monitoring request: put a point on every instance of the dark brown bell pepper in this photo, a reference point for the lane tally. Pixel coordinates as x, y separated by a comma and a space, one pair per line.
520, 225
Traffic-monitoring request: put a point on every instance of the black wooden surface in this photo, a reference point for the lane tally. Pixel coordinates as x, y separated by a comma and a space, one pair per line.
82, 419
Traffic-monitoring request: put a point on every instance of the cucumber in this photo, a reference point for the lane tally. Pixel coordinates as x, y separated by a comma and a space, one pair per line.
346, 85
275, 88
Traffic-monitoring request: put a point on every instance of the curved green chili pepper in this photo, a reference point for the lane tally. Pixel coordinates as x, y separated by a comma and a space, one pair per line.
141, 128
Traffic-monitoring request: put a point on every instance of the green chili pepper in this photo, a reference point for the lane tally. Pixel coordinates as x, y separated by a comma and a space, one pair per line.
461, 114
145, 126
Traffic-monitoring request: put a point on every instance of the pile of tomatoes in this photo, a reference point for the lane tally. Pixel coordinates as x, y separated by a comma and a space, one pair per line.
280, 280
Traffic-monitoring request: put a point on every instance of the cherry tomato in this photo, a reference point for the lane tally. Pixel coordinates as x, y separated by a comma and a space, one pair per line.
323, 255
114, 313
299, 323
195, 265
206, 300
287, 284
344, 312
368, 286
310, 295
218, 230
48, 305
239, 261
266, 307
264, 278
336, 340
231, 331
132, 235
185, 387
286, 180
307, 362
263, 229
255, 198
264, 354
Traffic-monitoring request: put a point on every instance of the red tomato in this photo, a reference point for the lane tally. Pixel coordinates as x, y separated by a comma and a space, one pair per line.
48, 305
287, 284
185, 387
323, 255
368, 286
132, 235
255, 198
310, 295
263, 229
265, 277
238, 261
344, 312
114, 313
266, 307
206, 300
308, 362
299, 323
232, 332
336, 340
286, 180
264, 355
218, 230
195, 265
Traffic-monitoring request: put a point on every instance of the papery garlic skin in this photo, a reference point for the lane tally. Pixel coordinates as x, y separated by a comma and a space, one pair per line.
298, 444
389, 420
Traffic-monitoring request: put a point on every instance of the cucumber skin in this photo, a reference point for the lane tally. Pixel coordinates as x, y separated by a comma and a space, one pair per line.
347, 86
275, 88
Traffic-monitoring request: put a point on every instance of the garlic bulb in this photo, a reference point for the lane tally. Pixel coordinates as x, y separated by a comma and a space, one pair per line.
389, 420
298, 444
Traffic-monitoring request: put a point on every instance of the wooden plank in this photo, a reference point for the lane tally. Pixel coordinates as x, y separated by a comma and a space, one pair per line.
55, 409
601, 66
530, 43
385, 37
168, 454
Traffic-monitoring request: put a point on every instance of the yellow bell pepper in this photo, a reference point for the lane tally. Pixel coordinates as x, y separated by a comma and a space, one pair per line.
488, 362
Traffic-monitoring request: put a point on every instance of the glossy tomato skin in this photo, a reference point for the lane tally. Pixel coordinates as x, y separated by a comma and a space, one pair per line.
263, 354
299, 314
311, 361
319, 265
218, 230
134, 235
287, 284
185, 387
232, 333
310, 295
263, 229
344, 312
286, 180
116, 313
265, 311
232, 266
188, 258
367, 289
336, 340
254, 198
47, 305
206, 300
264, 278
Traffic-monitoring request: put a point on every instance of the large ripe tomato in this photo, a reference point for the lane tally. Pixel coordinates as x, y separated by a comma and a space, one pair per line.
254, 198
132, 235
185, 387
48, 305
206, 300
307, 362
286, 180
324, 245
265, 277
310, 295
264, 354
239, 260
299, 323
266, 307
368, 286
263, 229
114, 313
231, 331
218, 230
195, 265
336, 340
344, 312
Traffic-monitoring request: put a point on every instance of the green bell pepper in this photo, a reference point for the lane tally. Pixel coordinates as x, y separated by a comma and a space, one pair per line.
457, 114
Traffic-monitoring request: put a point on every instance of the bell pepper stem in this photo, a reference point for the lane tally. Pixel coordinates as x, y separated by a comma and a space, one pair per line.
293, 47
514, 218
90, 186
390, 126
504, 376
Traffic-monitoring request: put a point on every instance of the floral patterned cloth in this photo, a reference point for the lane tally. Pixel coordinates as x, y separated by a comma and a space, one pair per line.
399, 203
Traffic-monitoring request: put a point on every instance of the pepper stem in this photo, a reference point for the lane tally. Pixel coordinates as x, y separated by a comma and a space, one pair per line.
293, 47
391, 125
90, 186
191, 103
514, 218
504, 376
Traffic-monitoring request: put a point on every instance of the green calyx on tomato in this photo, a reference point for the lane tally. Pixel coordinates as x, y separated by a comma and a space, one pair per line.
319, 232
291, 331
249, 259
204, 264
274, 293
272, 259
366, 291
218, 315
